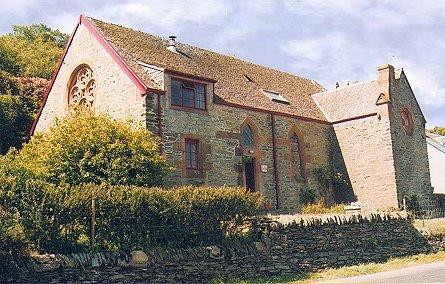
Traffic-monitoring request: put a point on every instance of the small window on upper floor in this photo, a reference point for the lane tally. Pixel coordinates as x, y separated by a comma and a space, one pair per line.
276, 97
188, 94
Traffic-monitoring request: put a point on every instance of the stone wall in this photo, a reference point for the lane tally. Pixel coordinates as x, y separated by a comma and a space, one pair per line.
219, 131
383, 161
410, 150
292, 247
365, 145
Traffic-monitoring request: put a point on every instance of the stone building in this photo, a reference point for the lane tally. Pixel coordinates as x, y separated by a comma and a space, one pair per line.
225, 121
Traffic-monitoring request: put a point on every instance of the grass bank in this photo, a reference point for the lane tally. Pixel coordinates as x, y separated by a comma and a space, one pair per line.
343, 272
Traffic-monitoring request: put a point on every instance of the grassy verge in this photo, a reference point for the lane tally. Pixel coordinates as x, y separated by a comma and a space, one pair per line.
433, 226
349, 271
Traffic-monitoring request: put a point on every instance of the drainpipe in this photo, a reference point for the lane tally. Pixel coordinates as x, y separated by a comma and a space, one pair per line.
275, 163
160, 129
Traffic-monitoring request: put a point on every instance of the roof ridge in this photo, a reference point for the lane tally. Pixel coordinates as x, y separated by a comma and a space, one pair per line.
214, 52
346, 87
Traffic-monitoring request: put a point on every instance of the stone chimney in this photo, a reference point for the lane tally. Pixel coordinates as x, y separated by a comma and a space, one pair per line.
385, 80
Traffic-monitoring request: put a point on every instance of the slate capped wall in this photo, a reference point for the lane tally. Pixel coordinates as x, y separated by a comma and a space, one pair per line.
310, 245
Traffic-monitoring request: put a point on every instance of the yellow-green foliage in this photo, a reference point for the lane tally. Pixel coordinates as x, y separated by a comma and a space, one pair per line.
321, 208
87, 148
438, 130
31, 51
12, 236
58, 218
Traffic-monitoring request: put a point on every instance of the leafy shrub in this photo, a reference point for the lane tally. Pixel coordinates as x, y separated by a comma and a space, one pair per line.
308, 195
334, 185
19, 102
84, 148
14, 122
58, 218
13, 242
321, 208
12, 235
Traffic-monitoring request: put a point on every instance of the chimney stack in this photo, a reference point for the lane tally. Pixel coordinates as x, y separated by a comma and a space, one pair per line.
172, 44
385, 80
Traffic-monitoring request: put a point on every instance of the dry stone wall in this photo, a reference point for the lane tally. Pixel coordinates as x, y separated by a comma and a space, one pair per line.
308, 245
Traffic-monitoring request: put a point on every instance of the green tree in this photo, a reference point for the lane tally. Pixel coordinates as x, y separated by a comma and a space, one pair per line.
85, 148
34, 32
31, 51
438, 130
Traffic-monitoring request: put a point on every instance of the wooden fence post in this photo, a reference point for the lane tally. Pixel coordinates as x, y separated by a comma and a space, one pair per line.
93, 220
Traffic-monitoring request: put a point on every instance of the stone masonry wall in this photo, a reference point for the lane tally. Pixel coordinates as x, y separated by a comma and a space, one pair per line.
410, 151
219, 130
308, 245
116, 94
365, 145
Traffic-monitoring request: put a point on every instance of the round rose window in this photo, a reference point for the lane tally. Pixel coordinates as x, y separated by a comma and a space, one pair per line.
82, 88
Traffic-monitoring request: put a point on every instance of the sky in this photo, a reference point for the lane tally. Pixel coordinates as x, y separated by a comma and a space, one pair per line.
327, 41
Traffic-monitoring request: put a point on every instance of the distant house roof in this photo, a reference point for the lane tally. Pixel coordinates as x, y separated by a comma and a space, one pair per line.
236, 81
349, 101
435, 141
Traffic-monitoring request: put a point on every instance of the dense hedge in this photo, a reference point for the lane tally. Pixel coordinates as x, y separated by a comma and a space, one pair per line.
58, 218
13, 241
12, 236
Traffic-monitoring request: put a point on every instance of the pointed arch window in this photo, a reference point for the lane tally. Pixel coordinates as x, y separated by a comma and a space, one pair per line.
296, 156
248, 137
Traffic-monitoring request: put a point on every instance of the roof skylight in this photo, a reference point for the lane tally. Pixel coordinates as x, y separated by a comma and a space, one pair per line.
276, 97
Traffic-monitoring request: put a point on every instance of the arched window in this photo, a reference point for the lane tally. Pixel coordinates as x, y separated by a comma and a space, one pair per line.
81, 89
248, 137
296, 156
408, 122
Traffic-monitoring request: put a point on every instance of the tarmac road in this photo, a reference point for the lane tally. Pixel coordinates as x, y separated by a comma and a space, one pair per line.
426, 273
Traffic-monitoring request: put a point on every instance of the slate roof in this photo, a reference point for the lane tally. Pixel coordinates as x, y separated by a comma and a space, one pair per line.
231, 86
348, 101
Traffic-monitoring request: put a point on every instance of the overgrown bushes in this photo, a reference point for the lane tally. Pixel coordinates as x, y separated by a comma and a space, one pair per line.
92, 171
58, 218
12, 236
19, 101
88, 148
13, 242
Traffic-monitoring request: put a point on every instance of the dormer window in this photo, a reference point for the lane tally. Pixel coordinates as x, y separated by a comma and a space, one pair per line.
188, 94
276, 97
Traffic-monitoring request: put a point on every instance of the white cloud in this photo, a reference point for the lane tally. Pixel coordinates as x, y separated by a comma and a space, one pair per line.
166, 15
